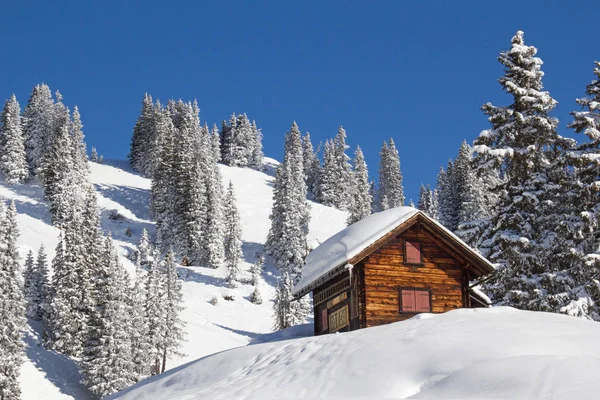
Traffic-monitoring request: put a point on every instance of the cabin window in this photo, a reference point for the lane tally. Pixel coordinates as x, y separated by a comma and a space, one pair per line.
412, 252
415, 301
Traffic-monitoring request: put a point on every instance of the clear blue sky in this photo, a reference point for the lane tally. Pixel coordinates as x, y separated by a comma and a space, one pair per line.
414, 71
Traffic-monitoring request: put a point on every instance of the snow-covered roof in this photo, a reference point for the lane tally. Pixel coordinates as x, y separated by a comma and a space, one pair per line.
351, 241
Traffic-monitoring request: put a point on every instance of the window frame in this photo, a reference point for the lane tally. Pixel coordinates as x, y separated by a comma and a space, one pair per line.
414, 289
405, 258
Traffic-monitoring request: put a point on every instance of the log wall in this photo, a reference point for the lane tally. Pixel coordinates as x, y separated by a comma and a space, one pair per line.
385, 272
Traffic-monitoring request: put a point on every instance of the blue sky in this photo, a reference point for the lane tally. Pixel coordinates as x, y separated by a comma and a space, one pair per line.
414, 71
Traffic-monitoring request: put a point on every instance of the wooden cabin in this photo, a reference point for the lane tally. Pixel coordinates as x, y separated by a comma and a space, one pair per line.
389, 267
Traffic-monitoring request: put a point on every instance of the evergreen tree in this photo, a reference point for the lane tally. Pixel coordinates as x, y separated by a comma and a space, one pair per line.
107, 366
12, 305
57, 170
287, 312
257, 269
213, 244
215, 143
35, 284
79, 152
163, 187
580, 225
256, 156
391, 191
143, 142
447, 203
426, 200
233, 237
38, 126
174, 333
189, 184
29, 288
143, 248
290, 215
312, 166
13, 160
326, 184
94, 155
361, 204
140, 345
155, 314
523, 142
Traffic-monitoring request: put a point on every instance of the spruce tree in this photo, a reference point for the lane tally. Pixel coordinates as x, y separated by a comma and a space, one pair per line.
143, 141
107, 365
290, 215
143, 248
35, 284
287, 312
256, 156
12, 305
523, 142
361, 204
312, 166
326, 185
13, 160
214, 228
174, 333
233, 237
38, 127
140, 345
163, 182
155, 314
94, 155
215, 141
391, 191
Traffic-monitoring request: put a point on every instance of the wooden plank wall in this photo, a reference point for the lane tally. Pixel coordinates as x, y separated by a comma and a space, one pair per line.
385, 272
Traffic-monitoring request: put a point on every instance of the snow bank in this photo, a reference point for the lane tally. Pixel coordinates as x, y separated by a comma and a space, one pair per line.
498, 353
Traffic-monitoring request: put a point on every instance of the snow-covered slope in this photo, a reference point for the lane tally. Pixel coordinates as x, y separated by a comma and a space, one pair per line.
497, 353
124, 200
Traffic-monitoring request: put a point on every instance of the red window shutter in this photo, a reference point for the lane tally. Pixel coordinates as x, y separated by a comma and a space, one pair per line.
413, 252
422, 301
324, 320
408, 301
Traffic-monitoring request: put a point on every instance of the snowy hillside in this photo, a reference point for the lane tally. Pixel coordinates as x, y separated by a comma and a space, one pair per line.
498, 353
123, 200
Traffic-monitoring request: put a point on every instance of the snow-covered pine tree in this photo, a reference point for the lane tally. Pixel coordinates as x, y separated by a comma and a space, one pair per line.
12, 305
344, 175
411, 204
163, 185
57, 169
143, 140
66, 317
155, 314
257, 269
580, 226
447, 203
94, 155
361, 204
426, 200
189, 184
256, 157
174, 333
312, 165
473, 211
107, 366
290, 215
233, 151
140, 345
232, 236
38, 127
326, 180
13, 160
213, 228
391, 191
29, 289
215, 140
79, 152
523, 142
42, 283
287, 312
143, 248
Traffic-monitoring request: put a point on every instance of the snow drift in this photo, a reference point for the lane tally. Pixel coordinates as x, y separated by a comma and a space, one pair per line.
498, 353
